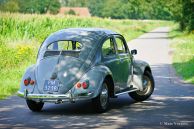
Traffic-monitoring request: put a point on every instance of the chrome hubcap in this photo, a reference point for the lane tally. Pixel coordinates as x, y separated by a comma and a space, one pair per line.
146, 86
104, 95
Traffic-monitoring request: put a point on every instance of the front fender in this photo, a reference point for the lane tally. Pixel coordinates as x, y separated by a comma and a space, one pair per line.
142, 65
96, 76
30, 72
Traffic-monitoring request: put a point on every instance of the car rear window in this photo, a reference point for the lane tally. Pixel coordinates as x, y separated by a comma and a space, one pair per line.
66, 48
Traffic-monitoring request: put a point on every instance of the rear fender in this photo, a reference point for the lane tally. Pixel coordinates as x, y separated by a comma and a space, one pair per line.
30, 72
96, 76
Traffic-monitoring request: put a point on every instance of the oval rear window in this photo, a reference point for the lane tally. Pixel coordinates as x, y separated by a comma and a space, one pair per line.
65, 46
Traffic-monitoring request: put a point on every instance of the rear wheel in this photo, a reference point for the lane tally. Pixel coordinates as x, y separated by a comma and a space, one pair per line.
101, 102
148, 88
34, 106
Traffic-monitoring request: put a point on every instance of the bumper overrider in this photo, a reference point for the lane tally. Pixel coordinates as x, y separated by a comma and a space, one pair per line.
55, 98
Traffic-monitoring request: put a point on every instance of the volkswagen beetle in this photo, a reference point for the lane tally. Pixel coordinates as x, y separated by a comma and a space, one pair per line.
85, 63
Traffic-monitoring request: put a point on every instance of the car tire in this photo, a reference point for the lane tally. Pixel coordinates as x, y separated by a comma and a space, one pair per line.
34, 106
101, 102
148, 82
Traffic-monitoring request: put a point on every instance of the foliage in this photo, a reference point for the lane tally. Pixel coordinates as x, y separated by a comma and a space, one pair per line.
71, 12
178, 10
22, 34
74, 3
182, 11
131, 9
183, 56
187, 19
31, 6
9, 5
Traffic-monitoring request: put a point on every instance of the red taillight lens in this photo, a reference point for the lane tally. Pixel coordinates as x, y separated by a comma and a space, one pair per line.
78, 85
84, 85
32, 82
26, 82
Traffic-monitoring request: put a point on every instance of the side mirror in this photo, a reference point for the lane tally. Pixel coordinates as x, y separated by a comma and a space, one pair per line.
134, 52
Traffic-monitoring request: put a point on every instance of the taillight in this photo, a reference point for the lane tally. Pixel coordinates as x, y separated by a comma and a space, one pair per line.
27, 81
32, 82
78, 85
84, 85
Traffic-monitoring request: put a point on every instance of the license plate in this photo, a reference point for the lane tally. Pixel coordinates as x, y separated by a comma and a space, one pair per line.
51, 85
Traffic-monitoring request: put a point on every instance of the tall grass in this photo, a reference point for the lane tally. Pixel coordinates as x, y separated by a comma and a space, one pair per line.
183, 57
22, 34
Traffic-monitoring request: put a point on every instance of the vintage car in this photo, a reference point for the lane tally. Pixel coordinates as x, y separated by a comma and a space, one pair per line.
85, 64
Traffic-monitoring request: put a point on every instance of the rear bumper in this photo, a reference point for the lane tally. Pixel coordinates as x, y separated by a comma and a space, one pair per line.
55, 98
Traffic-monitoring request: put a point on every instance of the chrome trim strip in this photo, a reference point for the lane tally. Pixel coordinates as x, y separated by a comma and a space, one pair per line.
42, 96
125, 92
55, 97
20, 94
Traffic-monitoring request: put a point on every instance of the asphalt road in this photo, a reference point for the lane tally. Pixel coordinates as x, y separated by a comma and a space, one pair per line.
171, 105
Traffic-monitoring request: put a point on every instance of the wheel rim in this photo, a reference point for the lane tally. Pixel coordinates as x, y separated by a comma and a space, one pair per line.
146, 86
104, 95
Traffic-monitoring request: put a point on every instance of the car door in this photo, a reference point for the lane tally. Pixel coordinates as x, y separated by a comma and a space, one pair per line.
111, 60
125, 62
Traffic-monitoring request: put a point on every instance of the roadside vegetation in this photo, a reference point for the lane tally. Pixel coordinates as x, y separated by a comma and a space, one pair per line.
22, 34
183, 56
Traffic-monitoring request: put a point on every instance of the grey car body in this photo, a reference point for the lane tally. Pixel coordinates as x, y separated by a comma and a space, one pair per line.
124, 74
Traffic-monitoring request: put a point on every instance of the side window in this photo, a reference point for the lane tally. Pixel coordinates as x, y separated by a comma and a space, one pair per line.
108, 48
120, 45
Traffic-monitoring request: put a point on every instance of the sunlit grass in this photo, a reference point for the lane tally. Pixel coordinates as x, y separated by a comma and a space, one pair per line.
22, 34
183, 57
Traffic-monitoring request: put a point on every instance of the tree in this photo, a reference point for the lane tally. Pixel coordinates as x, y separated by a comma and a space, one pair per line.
182, 11
9, 6
39, 6
132, 9
71, 12
52, 6
96, 7
187, 20
74, 3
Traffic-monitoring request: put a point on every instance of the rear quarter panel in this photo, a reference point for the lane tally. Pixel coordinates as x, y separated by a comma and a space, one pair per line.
96, 77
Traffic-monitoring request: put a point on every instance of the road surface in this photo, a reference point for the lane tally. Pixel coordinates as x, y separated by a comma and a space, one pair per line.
171, 105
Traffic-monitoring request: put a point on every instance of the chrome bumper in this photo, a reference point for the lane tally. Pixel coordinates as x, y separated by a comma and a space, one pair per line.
56, 98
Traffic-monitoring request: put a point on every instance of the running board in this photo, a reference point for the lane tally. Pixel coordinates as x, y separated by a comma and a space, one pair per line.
126, 91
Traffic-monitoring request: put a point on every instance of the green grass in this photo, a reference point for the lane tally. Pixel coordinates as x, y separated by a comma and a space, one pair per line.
183, 56
22, 34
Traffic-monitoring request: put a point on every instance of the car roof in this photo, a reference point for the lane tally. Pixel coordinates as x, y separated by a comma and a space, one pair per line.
99, 31
83, 35
89, 37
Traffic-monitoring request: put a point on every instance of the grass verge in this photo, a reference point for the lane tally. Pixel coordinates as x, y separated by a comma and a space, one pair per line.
183, 56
